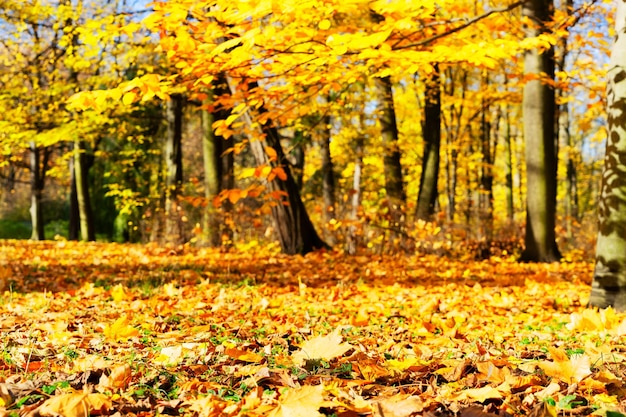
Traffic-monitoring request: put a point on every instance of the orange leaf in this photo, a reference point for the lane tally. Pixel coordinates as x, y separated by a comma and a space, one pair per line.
243, 355
280, 173
271, 153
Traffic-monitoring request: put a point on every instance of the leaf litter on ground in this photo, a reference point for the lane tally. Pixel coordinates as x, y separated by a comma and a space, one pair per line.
110, 329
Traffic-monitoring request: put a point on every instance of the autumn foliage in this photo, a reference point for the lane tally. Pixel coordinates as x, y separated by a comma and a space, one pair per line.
107, 329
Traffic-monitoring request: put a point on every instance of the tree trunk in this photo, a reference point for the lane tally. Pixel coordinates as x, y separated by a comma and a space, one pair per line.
609, 278
218, 169
396, 198
508, 167
81, 170
38, 168
74, 222
298, 157
431, 131
173, 167
328, 177
541, 158
296, 232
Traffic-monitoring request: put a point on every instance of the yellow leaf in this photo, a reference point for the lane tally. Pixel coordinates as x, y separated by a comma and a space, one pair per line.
118, 293
479, 394
120, 329
301, 402
568, 370
321, 347
129, 98
324, 24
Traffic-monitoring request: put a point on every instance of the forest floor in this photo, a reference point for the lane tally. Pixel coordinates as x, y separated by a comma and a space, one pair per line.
109, 329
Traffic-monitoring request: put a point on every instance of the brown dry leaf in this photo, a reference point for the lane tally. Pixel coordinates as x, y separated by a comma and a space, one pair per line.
209, 406
569, 370
75, 405
301, 402
399, 406
321, 347
119, 378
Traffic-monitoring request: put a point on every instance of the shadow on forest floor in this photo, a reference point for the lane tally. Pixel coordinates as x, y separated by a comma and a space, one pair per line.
64, 266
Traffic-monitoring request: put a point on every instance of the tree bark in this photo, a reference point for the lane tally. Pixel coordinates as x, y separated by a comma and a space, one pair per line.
296, 232
328, 176
74, 221
431, 131
508, 167
539, 135
218, 168
396, 198
81, 168
609, 278
38, 168
173, 167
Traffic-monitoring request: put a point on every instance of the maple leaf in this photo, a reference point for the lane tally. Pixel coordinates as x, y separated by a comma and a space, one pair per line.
301, 402
566, 369
321, 347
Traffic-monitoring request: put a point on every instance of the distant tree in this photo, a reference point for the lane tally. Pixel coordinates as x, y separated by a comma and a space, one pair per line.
609, 278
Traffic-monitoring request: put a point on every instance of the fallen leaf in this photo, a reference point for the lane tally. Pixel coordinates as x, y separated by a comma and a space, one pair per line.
321, 347
75, 405
300, 402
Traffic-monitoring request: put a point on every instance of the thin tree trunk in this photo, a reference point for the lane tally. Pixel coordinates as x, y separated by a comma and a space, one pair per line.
396, 197
609, 278
541, 157
297, 154
218, 169
38, 168
81, 170
486, 178
328, 177
173, 167
355, 201
508, 167
74, 221
427, 196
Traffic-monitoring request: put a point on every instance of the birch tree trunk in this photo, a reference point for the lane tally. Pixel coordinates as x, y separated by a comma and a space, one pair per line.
609, 277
